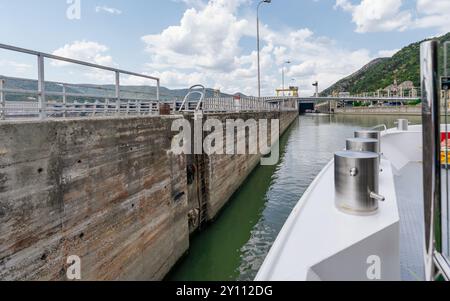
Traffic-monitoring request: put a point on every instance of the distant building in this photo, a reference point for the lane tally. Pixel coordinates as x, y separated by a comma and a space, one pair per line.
405, 89
290, 92
406, 85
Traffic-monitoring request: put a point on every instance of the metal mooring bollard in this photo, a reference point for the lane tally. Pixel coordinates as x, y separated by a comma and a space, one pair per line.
402, 125
368, 134
363, 145
357, 182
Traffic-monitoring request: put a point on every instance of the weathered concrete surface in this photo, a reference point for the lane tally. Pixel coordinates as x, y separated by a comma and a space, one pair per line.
106, 190
224, 174
324, 108
227, 173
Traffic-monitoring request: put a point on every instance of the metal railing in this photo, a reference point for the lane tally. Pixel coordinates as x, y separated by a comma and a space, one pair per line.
86, 104
247, 104
50, 99
434, 202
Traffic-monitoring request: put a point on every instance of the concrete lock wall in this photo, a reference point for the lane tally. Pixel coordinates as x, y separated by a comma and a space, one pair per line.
224, 174
227, 173
108, 191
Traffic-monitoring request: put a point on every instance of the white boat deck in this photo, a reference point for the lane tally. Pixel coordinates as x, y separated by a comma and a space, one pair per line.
318, 242
410, 202
316, 231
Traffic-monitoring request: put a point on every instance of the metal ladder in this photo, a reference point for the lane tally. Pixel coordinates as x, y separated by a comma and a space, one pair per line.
193, 90
204, 191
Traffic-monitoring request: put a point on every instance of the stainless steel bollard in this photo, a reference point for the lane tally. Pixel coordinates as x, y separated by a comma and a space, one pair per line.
363, 145
357, 182
368, 134
402, 125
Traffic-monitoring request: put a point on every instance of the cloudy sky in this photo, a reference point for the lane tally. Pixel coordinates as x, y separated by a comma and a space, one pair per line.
213, 42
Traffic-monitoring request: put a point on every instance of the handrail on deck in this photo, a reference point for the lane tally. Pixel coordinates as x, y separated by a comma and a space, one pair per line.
380, 126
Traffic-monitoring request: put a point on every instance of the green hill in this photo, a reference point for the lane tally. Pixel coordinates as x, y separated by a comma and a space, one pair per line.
101, 91
380, 73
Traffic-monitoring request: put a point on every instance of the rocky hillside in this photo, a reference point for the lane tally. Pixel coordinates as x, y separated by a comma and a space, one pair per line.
380, 73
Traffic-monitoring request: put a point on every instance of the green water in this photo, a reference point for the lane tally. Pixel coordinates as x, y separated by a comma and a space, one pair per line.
236, 244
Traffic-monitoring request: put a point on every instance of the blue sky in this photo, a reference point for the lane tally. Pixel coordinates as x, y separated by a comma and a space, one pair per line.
213, 42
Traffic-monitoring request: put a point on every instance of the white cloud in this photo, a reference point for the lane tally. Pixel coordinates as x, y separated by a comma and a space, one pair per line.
192, 3
16, 67
206, 38
107, 9
205, 48
433, 14
433, 7
376, 15
88, 51
387, 53
390, 15
346, 5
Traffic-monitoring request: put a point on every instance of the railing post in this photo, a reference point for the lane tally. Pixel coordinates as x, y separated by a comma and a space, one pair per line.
64, 100
117, 92
106, 109
95, 108
157, 89
41, 88
2, 100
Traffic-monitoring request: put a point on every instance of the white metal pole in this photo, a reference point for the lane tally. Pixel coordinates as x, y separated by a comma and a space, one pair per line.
64, 100
258, 47
107, 107
41, 88
2, 100
158, 86
118, 92
258, 44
